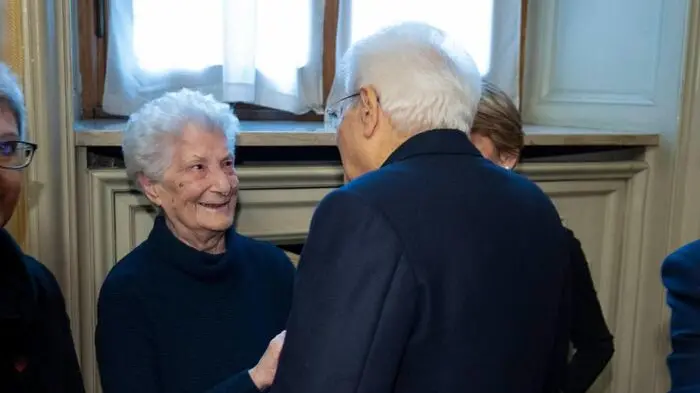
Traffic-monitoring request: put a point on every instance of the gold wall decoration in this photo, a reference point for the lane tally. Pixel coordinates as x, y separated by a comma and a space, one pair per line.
12, 54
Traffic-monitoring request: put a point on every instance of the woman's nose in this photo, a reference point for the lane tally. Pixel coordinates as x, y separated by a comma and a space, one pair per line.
225, 183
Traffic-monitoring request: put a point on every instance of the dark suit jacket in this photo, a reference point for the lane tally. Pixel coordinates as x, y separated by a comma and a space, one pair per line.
681, 276
439, 272
589, 332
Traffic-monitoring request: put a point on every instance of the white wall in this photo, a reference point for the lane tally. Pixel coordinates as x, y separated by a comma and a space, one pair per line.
605, 64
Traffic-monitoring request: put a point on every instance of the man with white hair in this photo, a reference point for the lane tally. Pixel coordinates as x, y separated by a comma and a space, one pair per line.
432, 270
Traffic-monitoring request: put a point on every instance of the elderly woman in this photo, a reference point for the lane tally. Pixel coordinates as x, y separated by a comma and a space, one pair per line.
497, 133
196, 307
36, 346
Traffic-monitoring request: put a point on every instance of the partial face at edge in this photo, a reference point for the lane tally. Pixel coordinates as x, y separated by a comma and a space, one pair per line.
360, 134
10, 180
487, 148
200, 187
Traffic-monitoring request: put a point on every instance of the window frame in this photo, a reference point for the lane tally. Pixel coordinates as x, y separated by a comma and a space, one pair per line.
93, 28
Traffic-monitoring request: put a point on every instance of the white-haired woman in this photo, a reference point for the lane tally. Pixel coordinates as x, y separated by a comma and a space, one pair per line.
196, 307
36, 346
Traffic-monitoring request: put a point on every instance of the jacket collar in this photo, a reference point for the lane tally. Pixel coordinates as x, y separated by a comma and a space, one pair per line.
440, 141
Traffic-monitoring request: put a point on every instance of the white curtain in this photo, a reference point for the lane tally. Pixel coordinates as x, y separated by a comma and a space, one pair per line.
263, 52
488, 29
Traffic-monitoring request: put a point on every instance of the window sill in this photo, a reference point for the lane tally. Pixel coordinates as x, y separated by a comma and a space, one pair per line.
95, 133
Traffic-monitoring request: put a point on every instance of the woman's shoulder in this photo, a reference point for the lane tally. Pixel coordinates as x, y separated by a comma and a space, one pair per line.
264, 253
42, 277
127, 273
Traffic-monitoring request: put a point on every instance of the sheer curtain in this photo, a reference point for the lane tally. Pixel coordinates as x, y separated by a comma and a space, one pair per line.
263, 52
488, 29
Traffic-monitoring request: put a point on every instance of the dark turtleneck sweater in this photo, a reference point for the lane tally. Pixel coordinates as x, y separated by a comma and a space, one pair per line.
36, 347
174, 319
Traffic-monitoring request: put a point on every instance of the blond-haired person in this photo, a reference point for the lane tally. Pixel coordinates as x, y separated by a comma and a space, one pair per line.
498, 133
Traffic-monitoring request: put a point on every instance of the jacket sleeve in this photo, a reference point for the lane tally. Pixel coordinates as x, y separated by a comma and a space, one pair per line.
123, 341
590, 335
681, 276
354, 303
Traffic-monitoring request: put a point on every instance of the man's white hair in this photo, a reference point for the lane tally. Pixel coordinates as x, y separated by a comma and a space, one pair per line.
11, 96
153, 130
423, 78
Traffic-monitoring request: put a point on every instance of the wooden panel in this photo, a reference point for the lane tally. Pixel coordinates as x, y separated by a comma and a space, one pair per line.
594, 211
281, 216
604, 64
277, 204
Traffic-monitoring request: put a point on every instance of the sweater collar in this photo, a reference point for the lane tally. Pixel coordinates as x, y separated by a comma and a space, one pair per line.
199, 264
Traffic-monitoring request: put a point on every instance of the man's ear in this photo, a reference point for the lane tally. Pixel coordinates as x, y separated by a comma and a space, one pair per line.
150, 189
369, 110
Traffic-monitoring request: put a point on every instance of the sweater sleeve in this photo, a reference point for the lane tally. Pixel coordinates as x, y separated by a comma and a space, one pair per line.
238, 383
123, 342
126, 353
589, 332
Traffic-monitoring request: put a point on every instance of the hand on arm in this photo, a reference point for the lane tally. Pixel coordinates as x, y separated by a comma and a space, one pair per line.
263, 374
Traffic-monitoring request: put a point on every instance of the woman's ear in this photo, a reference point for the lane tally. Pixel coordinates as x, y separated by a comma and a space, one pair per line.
508, 160
150, 189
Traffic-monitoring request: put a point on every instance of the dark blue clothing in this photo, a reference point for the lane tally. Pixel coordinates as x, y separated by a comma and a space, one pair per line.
37, 354
681, 276
589, 333
174, 319
439, 272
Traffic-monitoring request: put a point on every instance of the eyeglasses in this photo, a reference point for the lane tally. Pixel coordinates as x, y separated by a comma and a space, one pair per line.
16, 154
334, 112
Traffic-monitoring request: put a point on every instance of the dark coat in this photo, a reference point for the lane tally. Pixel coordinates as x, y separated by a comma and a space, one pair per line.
36, 346
439, 272
681, 276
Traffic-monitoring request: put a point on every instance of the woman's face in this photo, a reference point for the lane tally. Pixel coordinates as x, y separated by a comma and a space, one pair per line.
200, 187
487, 148
10, 179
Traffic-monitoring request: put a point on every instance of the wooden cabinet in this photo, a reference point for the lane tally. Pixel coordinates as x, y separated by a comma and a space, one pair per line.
601, 202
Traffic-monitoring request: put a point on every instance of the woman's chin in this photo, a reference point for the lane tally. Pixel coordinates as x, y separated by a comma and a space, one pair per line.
217, 218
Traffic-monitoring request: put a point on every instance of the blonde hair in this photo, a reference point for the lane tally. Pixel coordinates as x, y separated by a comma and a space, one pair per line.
498, 119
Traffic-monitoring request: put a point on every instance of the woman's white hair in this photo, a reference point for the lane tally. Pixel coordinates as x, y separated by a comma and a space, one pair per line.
11, 95
424, 79
153, 130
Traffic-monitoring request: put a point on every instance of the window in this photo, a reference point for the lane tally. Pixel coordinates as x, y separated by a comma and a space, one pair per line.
274, 60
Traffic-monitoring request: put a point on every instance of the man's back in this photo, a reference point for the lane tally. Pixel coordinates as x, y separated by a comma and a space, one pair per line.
475, 295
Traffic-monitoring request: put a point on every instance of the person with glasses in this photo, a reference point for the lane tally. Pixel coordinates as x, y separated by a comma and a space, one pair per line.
432, 269
36, 346
498, 133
